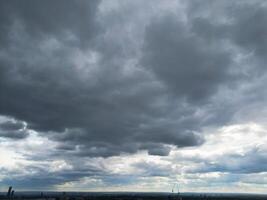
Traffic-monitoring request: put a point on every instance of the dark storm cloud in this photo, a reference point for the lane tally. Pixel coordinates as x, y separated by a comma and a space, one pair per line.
96, 107
13, 130
68, 74
134, 78
243, 24
19, 134
11, 126
157, 149
50, 18
191, 67
249, 29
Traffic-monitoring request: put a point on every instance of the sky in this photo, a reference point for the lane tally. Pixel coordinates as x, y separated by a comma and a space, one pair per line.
122, 95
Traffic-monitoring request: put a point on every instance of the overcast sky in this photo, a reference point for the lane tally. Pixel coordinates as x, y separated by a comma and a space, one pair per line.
133, 95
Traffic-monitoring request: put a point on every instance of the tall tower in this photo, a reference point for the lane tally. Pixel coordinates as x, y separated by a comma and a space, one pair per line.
9, 191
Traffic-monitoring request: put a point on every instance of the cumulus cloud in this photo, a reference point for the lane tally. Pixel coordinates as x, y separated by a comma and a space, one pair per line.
84, 95
97, 81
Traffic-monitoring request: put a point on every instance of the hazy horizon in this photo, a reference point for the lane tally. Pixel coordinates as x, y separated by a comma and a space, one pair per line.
122, 95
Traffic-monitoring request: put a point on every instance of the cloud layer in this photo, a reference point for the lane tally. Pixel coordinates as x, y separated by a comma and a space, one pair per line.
114, 82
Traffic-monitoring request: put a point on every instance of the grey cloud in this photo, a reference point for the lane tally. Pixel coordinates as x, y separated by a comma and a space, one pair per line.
74, 80
249, 29
41, 178
107, 85
253, 161
11, 126
20, 134
153, 169
157, 149
193, 69
243, 25
51, 19
102, 106
13, 130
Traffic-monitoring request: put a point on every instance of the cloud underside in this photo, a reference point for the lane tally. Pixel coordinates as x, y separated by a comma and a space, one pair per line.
102, 79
